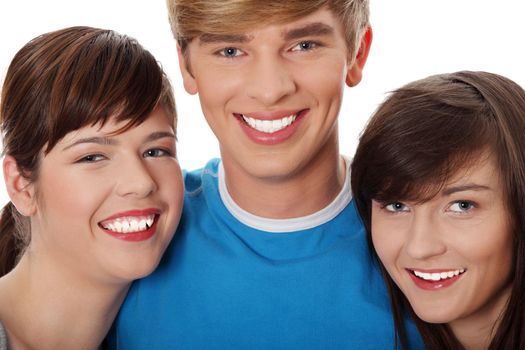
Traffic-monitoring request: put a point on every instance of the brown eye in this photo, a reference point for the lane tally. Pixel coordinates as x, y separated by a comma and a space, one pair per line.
91, 158
156, 152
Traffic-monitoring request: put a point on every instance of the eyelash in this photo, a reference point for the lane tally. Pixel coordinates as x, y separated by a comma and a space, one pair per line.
222, 52
471, 205
88, 158
165, 152
461, 211
97, 157
394, 210
314, 45
238, 52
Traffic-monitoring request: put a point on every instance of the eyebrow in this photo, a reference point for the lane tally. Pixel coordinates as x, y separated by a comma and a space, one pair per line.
468, 187
103, 140
209, 38
159, 135
310, 29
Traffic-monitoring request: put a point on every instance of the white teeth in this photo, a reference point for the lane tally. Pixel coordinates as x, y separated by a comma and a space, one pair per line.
269, 126
438, 276
129, 224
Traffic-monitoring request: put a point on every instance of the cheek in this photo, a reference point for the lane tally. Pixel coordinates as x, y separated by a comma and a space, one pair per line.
387, 243
322, 82
489, 240
69, 193
217, 86
171, 189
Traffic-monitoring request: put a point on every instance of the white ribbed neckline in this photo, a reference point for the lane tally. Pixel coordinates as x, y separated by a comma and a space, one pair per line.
287, 225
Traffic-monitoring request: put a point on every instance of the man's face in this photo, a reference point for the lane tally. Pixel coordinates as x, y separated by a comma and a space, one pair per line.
272, 95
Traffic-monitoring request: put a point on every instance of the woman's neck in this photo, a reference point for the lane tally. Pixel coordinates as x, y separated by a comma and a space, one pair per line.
46, 307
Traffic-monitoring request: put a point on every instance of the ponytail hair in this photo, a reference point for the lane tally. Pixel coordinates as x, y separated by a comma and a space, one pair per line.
14, 237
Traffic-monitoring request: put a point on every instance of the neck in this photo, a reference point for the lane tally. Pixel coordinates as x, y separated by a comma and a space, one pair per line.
49, 307
307, 190
477, 331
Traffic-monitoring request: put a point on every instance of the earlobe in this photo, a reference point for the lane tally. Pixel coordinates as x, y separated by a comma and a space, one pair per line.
190, 85
19, 189
355, 71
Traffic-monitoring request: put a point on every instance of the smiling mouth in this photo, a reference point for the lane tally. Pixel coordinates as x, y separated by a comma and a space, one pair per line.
129, 224
270, 126
437, 276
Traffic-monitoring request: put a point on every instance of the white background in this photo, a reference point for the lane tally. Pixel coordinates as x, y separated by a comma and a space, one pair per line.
412, 39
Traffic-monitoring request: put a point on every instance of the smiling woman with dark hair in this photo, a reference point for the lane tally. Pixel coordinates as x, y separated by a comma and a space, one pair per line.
439, 181
88, 124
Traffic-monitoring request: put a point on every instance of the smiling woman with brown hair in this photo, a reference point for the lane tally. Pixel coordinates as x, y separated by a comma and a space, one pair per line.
88, 124
439, 180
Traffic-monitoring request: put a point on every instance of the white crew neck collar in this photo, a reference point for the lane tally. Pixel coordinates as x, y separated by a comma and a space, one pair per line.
287, 225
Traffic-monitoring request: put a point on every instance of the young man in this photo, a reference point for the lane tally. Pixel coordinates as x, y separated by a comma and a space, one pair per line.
270, 252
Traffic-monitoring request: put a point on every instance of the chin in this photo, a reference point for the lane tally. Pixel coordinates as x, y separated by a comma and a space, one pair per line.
136, 269
435, 315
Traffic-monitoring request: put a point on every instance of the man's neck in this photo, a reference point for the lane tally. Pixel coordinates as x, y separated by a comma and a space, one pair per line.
310, 189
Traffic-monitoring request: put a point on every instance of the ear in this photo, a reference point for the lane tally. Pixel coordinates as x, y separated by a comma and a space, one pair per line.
190, 85
355, 71
20, 190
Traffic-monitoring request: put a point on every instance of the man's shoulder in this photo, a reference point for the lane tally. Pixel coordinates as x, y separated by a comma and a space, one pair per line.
193, 179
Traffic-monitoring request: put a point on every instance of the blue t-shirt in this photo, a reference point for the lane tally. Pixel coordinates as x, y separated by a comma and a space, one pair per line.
232, 280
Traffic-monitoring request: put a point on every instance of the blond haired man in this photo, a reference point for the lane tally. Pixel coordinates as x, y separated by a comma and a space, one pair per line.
270, 252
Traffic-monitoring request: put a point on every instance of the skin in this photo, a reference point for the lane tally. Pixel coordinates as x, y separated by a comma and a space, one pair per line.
74, 272
464, 228
274, 71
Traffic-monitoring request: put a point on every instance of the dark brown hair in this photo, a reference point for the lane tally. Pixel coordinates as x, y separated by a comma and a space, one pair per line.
424, 133
62, 81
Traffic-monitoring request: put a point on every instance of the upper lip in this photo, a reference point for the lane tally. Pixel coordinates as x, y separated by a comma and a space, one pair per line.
271, 115
133, 212
435, 270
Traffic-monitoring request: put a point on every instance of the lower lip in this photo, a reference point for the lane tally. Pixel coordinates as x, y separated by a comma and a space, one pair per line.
275, 138
135, 236
434, 285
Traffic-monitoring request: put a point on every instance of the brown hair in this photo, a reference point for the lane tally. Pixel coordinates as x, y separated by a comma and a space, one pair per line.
62, 81
189, 18
420, 136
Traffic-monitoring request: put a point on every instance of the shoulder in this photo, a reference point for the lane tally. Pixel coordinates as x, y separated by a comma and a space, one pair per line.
3, 338
194, 179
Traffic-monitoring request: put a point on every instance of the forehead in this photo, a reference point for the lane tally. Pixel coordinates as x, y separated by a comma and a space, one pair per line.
481, 173
483, 168
479, 170
157, 120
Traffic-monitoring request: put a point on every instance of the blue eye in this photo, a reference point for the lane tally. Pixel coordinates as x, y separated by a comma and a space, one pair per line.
305, 46
230, 52
396, 207
461, 206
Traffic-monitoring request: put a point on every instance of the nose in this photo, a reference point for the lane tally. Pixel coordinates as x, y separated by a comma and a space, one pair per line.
424, 239
135, 179
269, 80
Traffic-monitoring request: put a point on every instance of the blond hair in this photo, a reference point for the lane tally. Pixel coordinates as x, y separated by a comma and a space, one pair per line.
191, 18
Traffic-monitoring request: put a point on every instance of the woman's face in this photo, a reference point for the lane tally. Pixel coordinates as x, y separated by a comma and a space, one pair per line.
452, 255
108, 204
